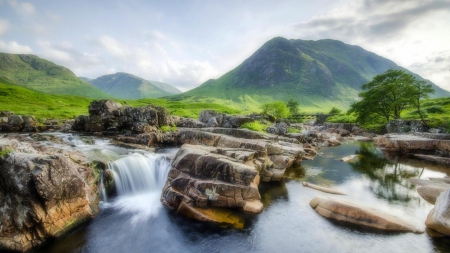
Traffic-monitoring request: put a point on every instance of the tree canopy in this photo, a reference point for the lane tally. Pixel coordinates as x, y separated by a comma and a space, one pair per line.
388, 94
277, 110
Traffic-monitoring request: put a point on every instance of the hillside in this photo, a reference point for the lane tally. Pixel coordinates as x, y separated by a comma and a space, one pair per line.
318, 74
127, 86
166, 87
38, 74
23, 101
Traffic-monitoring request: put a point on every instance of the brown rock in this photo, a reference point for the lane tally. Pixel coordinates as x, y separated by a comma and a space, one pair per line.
348, 212
439, 216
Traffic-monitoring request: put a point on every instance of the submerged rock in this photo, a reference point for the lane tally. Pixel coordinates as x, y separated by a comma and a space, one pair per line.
322, 189
359, 215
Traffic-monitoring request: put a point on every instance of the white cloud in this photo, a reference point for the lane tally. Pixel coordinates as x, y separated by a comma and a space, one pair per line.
113, 46
13, 47
22, 7
28, 8
4, 26
407, 32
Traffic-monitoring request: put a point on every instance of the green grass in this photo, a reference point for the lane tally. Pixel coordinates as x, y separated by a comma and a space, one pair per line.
437, 112
255, 126
167, 129
23, 101
3, 153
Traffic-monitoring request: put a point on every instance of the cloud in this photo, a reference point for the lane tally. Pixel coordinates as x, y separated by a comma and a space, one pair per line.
22, 7
4, 26
408, 32
113, 46
13, 47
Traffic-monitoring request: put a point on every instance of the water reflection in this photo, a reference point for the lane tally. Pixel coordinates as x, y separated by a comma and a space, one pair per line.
389, 180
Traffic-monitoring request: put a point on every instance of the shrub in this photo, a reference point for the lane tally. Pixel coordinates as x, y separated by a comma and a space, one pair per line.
277, 110
435, 109
335, 110
166, 129
255, 126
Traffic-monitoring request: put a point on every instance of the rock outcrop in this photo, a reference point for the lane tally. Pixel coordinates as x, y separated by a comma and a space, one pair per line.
216, 170
44, 192
412, 144
216, 119
340, 210
107, 115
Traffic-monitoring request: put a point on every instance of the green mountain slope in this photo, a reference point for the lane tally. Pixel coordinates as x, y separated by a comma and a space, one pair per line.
318, 74
23, 101
38, 74
127, 86
166, 87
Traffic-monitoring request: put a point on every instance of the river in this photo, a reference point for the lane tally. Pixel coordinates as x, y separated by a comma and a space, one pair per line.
136, 221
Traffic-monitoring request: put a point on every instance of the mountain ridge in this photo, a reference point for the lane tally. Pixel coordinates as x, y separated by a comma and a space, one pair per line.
318, 73
127, 86
35, 73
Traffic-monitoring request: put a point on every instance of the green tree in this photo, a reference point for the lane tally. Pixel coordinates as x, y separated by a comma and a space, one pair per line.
420, 90
387, 95
335, 110
293, 106
277, 110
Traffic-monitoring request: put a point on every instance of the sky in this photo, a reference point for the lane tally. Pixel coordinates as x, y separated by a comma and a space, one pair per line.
187, 42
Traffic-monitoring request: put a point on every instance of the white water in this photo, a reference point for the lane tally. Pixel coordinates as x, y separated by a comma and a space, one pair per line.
139, 179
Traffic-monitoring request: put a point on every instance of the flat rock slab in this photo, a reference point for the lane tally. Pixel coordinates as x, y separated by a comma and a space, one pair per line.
348, 158
322, 189
411, 143
359, 215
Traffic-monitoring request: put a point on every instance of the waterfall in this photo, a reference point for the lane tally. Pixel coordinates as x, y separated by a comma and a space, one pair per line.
139, 173
103, 196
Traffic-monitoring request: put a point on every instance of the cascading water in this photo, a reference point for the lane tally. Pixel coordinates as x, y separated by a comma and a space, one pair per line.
139, 179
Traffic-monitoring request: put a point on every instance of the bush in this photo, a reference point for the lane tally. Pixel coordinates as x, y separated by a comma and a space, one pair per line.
335, 110
435, 109
342, 118
166, 129
255, 126
277, 110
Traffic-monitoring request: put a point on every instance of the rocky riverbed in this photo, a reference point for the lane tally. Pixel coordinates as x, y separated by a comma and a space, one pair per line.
48, 190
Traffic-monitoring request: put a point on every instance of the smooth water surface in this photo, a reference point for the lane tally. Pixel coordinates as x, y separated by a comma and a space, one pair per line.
139, 222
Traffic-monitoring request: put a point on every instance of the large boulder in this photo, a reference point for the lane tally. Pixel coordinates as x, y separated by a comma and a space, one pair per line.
107, 115
44, 192
341, 210
439, 217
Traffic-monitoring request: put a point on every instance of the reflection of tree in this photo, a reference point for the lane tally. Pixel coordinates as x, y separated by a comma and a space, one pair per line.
389, 180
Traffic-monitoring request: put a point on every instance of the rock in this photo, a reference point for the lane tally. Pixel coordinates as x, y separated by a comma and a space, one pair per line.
434, 158
367, 217
253, 206
439, 217
205, 115
212, 122
429, 190
411, 144
322, 189
404, 126
186, 122
278, 129
348, 158
43, 193
6, 113
104, 107
15, 120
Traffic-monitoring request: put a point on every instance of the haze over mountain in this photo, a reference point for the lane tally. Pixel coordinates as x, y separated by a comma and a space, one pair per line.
315, 73
127, 86
35, 73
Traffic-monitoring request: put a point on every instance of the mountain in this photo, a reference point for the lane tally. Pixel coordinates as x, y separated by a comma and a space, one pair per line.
318, 74
166, 87
38, 74
127, 86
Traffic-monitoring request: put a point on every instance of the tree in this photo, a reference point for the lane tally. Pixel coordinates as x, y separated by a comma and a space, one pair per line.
335, 110
293, 106
387, 95
420, 90
277, 110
